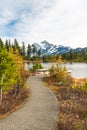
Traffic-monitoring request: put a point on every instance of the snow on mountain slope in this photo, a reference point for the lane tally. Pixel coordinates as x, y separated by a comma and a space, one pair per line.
51, 49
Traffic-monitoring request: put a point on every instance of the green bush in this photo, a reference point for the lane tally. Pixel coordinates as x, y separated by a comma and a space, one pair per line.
36, 66
84, 87
58, 74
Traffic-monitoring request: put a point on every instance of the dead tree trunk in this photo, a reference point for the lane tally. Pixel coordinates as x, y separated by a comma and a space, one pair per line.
1, 88
0, 95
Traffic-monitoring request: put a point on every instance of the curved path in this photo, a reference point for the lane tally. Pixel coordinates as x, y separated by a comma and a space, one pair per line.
38, 113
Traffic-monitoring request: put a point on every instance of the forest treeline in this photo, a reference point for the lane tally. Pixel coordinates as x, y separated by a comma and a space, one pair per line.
31, 53
28, 52
76, 56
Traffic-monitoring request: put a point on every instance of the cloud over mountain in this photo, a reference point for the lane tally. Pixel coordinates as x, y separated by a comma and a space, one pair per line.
58, 21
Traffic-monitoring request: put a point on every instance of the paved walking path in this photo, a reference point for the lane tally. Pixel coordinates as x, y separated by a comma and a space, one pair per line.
40, 112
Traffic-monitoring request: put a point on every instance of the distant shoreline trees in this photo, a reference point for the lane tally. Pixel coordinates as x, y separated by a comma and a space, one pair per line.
31, 53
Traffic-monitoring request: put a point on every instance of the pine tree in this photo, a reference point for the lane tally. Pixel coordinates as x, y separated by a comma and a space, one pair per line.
1, 43
16, 46
7, 45
28, 52
39, 53
9, 42
71, 54
23, 50
34, 50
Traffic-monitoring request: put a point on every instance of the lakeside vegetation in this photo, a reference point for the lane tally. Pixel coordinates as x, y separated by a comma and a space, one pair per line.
72, 97
80, 56
13, 90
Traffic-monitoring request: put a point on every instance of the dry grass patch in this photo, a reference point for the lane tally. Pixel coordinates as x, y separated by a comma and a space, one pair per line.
12, 101
72, 100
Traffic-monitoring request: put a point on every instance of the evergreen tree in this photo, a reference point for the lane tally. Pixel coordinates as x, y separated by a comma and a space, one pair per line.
28, 52
11, 71
71, 54
16, 46
23, 50
34, 50
39, 53
1, 43
7, 45
9, 42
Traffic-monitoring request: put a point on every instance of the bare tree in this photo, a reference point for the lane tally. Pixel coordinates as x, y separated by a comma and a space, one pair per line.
2, 79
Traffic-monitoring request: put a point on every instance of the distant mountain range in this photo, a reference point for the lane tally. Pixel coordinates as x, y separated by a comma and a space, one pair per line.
51, 49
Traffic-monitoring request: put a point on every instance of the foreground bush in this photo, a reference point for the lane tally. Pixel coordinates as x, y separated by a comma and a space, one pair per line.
72, 99
12, 79
59, 76
36, 66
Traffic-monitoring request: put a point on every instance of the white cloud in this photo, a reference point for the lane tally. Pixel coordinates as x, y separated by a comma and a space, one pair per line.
58, 21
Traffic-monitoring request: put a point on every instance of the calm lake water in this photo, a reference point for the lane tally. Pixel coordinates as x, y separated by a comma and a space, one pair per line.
78, 70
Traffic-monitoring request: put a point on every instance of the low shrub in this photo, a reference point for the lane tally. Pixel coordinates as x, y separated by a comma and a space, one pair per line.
59, 75
36, 66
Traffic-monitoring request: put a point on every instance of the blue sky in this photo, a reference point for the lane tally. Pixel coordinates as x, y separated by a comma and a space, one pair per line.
57, 21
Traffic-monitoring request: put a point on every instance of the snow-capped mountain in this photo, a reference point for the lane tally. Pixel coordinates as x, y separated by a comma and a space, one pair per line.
50, 49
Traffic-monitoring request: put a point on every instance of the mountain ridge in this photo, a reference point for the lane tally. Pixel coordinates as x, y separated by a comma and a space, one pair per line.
52, 49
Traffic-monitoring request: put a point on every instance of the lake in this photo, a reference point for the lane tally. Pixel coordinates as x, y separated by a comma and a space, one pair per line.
78, 70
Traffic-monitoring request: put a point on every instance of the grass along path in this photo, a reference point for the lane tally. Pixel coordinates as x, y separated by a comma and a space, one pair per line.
72, 105
39, 113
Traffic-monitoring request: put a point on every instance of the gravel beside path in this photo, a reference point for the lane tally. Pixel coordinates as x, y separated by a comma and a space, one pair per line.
40, 112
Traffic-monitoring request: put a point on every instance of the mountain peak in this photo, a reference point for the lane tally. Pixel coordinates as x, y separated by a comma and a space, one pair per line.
44, 42
51, 49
